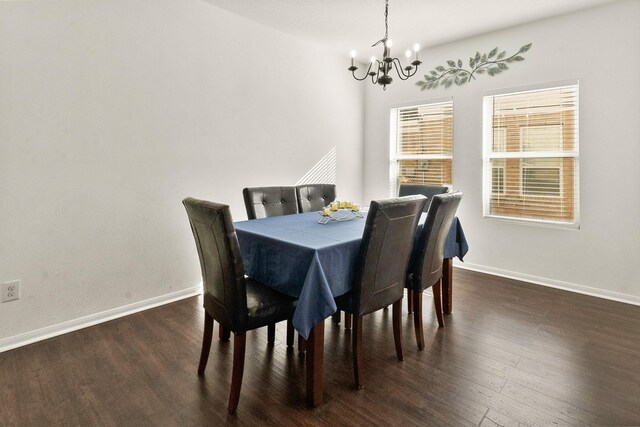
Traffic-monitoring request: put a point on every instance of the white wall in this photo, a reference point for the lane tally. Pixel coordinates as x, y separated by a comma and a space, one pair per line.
601, 47
111, 112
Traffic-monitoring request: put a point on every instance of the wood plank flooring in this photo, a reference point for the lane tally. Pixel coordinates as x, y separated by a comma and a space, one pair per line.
510, 354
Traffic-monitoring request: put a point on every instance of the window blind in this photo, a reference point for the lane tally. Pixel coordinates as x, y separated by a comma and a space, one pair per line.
423, 145
531, 155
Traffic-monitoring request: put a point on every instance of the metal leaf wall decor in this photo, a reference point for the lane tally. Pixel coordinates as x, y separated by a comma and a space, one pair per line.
491, 63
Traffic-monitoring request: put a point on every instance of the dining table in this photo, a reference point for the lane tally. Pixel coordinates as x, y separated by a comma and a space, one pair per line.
314, 262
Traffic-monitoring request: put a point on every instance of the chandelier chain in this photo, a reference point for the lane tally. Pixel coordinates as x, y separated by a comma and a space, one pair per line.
386, 14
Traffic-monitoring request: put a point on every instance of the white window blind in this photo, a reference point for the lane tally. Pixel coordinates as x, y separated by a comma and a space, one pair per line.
422, 142
531, 155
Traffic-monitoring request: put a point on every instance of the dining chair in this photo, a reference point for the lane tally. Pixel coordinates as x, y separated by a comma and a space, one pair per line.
313, 197
381, 268
238, 303
425, 266
265, 202
426, 190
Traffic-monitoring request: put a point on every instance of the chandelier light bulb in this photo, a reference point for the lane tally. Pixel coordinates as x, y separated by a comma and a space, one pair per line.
407, 53
416, 47
389, 43
373, 59
353, 55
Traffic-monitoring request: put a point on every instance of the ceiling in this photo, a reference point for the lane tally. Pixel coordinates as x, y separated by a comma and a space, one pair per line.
344, 25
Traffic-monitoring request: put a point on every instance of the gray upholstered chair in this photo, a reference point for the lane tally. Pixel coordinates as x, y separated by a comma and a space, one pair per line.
238, 303
426, 190
265, 202
425, 268
313, 197
381, 268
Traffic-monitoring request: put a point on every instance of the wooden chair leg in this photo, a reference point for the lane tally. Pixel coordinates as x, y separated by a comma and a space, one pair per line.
409, 301
357, 351
347, 320
239, 344
336, 317
302, 344
417, 318
290, 334
447, 285
206, 342
437, 301
397, 331
271, 333
222, 334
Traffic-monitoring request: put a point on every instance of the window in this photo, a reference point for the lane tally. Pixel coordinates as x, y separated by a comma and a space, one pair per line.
421, 145
531, 155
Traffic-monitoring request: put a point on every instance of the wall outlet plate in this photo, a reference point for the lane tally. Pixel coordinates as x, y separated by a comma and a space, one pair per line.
10, 291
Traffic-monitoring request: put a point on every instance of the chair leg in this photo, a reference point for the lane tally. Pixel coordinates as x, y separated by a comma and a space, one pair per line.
417, 318
437, 301
336, 317
239, 343
290, 333
357, 351
271, 333
347, 320
302, 344
397, 332
206, 342
222, 334
409, 301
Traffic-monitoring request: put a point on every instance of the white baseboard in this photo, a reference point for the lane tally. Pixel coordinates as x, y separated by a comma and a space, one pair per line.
93, 319
551, 283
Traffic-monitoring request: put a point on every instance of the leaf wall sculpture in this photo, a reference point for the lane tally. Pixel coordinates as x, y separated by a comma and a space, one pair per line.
491, 63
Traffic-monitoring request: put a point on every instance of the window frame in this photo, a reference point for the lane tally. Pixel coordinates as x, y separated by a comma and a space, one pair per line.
500, 168
560, 194
395, 158
489, 155
522, 167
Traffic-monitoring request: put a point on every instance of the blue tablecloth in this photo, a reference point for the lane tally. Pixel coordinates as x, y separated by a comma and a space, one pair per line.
313, 262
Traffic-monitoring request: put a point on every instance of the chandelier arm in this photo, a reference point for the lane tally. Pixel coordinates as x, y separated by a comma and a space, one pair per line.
366, 74
359, 79
405, 75
398, 67
375, 77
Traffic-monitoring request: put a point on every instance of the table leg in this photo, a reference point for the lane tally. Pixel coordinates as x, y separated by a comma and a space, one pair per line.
447, 285
315, 361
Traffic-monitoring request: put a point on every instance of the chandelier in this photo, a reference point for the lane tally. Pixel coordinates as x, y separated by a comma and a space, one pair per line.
379, 70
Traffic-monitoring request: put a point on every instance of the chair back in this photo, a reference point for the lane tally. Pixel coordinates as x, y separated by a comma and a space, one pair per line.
426, 190
381, 266
265, 202
313, 197
225, 295
427, 268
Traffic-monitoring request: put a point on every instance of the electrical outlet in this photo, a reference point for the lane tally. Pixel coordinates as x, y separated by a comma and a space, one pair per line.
11, 291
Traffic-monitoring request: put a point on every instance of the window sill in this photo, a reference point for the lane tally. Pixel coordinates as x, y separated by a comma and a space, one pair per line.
534, 222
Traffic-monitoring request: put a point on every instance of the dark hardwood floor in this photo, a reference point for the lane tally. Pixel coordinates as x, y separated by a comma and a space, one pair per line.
511, 353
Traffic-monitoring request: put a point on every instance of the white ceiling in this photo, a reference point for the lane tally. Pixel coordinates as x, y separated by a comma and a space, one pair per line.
357, 24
